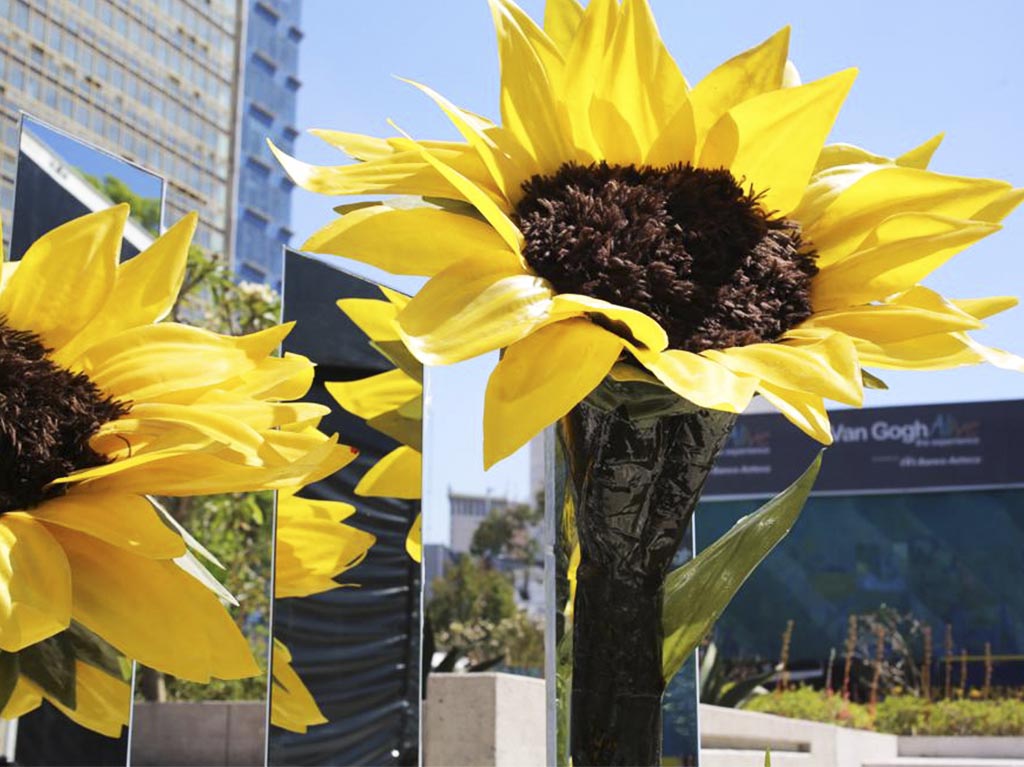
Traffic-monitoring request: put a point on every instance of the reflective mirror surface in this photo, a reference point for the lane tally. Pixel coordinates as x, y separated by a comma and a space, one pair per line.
59, 179
346, 626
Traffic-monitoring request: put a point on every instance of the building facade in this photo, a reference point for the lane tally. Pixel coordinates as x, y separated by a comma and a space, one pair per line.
272, 43
159, 82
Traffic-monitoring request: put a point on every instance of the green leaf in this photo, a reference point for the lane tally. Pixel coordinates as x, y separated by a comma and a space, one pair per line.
8, 676
872, 381
767, 757
697, 592
90, 648
51, 665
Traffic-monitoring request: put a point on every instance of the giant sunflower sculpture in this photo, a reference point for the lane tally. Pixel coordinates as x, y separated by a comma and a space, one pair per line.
102, 404
618, 220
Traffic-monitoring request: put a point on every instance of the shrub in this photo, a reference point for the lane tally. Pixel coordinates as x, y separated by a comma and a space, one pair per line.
812, 705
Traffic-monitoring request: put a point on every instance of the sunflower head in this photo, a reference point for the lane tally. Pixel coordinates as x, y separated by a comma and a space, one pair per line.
703, 237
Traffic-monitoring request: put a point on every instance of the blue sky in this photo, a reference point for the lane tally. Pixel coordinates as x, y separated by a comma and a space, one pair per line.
925, 68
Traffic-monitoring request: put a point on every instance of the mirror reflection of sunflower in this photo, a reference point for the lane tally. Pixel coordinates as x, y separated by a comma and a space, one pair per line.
619, 220
390, 402
102, 405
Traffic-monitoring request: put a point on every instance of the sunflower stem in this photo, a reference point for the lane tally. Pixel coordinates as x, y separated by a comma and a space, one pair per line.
637, 459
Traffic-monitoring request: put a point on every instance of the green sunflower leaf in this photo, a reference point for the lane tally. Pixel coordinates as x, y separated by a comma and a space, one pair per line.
698, 592
51, 665
91, 649
8, 676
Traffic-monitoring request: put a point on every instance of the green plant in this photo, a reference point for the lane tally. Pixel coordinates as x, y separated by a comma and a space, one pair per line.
812, 705
719, 685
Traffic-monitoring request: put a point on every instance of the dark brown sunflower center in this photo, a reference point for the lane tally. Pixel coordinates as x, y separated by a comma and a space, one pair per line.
47, 415
685, 245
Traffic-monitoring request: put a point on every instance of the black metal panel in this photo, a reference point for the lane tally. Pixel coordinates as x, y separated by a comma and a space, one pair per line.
357, 649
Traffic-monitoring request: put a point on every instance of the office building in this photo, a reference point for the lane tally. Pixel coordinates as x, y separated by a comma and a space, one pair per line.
271, 86
159, 82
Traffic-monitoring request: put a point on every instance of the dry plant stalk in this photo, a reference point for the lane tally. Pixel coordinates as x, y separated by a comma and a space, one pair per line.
828, 674
787, 637
876, 678
986, 692
963, 673
926, 668
948, 691
851, 643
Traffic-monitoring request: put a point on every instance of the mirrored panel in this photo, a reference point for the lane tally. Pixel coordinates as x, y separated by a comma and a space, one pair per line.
484, 581
346, 629
68, 698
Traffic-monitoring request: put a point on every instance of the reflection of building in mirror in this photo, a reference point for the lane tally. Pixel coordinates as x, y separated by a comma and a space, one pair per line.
485, 593
76, 179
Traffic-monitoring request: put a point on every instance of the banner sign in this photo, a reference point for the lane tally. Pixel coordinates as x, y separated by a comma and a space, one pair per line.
917, 448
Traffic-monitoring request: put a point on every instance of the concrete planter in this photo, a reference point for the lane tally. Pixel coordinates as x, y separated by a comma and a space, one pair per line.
962, 746
484, 720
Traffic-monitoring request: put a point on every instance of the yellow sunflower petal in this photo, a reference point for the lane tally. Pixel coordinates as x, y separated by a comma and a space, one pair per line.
377, 319
144, 290
826, 366
292, 706
561, 20
981, 308
161, 361
938, 352
313, 547
508, 163
640, 90
25, 698
632, 325
402, 173
414, 541
901, 252
77, 263
373, 396
127, 521
528, 106
103, 703
420, 241
288, 459
540, 379
920, 156
584, 65
1001, 207
884, 323
702, 381
35, 583
471, 308
399, 474
772, 141
751, 73
154, 612
863, 206
805, 411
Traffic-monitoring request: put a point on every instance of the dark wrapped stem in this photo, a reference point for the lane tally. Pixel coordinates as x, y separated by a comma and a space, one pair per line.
638, 459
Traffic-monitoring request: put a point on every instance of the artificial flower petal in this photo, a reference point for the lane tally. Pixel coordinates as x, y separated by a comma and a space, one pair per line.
700, 380
826, 366
408, 241
471, 308
144, 290
399, 474
540, 379
373, 396
162, 617
127, 521
804, 410
414, 541
772, 141
77, 262
751, 73
35, 583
